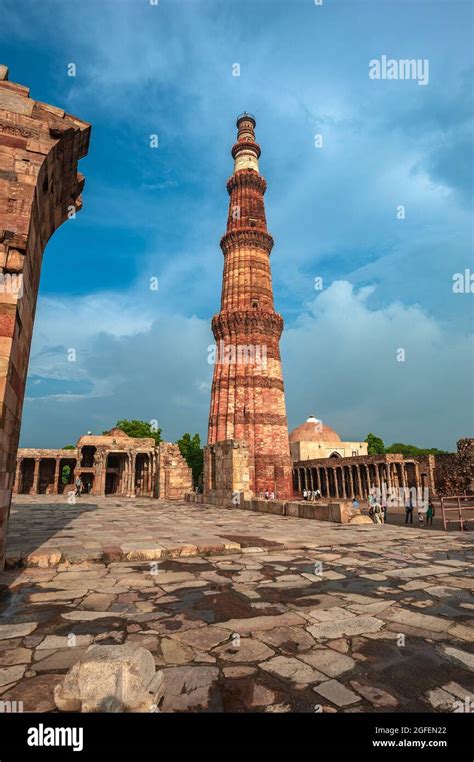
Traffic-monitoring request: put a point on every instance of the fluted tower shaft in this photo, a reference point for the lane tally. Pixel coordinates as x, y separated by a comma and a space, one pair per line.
247, 398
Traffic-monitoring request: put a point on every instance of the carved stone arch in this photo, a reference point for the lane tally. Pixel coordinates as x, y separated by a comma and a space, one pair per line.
40, 146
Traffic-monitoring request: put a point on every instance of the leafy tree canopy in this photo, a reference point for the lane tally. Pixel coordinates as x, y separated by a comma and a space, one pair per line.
375, 445
139, 429
66, 472
409, 450
191, 450
69, 447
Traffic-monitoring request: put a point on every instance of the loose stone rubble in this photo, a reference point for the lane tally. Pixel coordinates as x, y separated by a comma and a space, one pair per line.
111, 679
242, 611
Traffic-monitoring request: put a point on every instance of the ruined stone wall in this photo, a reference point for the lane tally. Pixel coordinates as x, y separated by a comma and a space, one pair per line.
175, 478
40, 146
227, 470
454, 472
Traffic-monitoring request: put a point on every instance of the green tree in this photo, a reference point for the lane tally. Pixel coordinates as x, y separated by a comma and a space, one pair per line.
409, 450
140, 429
69, 447
66, 472
191, 450
375, 445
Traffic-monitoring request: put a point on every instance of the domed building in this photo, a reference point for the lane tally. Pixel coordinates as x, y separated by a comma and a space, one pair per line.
315, 439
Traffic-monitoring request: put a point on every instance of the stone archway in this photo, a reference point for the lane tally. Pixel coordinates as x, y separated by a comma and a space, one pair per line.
40, 188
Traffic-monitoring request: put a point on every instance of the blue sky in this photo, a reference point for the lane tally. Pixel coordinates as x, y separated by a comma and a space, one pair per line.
304, 70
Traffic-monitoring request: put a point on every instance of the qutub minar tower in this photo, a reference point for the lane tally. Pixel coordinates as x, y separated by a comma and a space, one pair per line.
247, 397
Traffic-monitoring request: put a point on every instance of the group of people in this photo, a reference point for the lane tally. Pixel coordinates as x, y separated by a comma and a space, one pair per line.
269, 495
429, 512
311, 495
378, 510
80, 487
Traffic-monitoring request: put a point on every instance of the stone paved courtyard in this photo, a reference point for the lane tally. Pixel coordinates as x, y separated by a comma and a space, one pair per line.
242, 611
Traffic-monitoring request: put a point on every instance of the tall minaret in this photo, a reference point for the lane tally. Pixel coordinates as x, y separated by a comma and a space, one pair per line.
247, 398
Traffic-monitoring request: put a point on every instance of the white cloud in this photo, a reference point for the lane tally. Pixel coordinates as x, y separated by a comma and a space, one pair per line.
339, 362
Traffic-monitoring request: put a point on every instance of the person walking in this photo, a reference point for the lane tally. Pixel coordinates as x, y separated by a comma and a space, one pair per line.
79, 485
408, 508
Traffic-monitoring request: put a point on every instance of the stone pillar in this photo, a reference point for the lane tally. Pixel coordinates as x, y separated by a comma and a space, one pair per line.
133, 457
102, 475
318, 479
16, 485
146, 475
336, 486
351, 483
35, 485
403, 475
40, 146
369, 482
311, 482
125, 480
56, 477
326, 482
417, 475
378, 483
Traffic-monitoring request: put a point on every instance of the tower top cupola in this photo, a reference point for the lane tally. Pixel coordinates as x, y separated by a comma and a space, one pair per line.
246, 150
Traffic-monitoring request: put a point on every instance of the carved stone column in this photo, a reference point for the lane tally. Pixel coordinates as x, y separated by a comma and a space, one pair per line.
16, 485
54, 490
36, 474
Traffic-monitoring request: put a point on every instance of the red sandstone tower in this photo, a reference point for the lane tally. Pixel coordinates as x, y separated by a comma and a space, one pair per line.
247, 397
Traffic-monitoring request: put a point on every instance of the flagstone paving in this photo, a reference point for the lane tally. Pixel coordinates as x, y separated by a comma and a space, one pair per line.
242, 611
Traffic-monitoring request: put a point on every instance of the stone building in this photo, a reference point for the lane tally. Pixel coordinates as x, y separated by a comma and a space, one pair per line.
314, 439
40, 188
112, 464
336, 477
247, 396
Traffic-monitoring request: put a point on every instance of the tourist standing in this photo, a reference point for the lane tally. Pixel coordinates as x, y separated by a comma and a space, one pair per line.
378, 513
305, 494
430, 512
267, 494
384, 509
370, 503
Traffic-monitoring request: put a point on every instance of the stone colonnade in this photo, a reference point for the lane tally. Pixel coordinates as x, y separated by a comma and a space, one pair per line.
348, 478
105, 470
